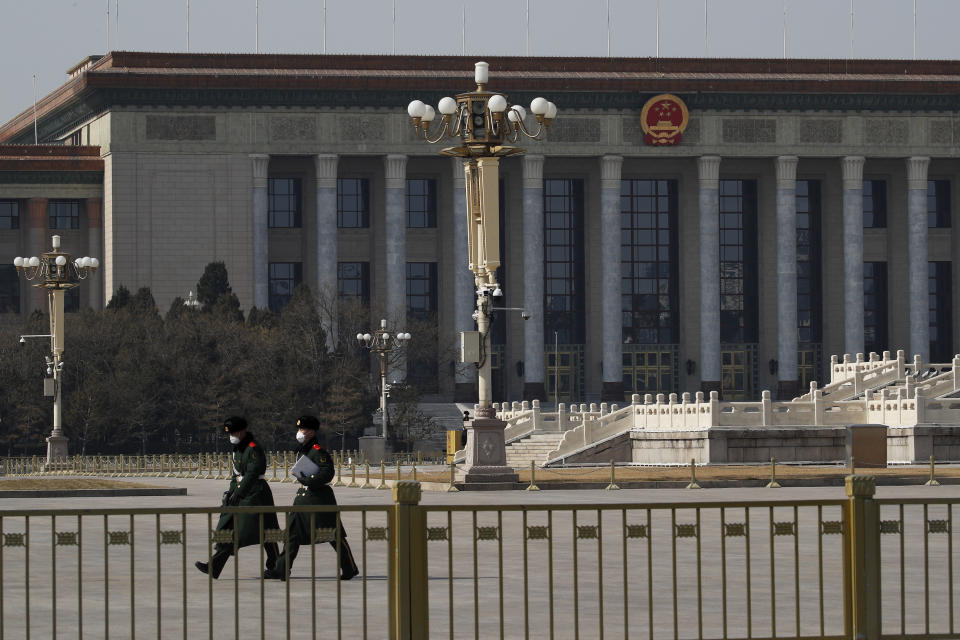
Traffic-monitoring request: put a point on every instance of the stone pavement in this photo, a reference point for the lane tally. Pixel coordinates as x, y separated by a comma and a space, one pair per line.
576, 573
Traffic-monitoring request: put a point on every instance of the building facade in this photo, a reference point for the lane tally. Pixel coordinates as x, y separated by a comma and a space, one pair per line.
805, 210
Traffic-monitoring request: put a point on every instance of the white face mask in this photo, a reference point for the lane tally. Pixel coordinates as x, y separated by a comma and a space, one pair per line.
301, 437
234, 440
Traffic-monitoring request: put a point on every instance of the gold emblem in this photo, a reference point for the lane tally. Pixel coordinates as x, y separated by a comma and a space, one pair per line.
664, 119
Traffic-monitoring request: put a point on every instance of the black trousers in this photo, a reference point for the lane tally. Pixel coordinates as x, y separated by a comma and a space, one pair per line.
348, 565
223, 551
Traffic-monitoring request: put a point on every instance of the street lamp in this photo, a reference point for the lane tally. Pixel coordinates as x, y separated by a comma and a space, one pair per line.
485, 123
56, 272
382, 343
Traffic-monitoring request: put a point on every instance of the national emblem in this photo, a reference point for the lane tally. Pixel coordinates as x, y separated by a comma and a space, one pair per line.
664, 118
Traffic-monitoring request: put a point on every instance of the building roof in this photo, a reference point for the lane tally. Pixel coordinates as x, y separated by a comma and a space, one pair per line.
50, 158
195, 79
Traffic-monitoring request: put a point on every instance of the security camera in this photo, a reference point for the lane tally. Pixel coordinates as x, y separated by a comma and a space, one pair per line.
524, 315
23, 341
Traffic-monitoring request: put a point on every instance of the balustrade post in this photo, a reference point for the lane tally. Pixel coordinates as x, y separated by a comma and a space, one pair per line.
407, 558
766, 405
861, 559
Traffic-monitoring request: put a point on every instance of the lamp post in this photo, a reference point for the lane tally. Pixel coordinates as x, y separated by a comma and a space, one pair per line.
382, 343
56, 272
485, 125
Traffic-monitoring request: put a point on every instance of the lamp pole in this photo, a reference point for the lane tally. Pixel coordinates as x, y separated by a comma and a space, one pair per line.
55, 272
382, 343
485, 125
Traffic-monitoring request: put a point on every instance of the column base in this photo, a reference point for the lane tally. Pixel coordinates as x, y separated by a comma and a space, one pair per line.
709, 385
534, 391
464, 392
787, 389
612, 392
486, 454
57, 453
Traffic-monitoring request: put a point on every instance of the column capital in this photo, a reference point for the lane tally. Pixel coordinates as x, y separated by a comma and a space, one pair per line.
260, 162
708, 169
917, 172
533, 171
326, 168
787, 172
852, 167
395, 168
610, 171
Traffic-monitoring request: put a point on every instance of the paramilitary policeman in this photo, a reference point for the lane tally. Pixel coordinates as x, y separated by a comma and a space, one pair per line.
315, 491
248, 488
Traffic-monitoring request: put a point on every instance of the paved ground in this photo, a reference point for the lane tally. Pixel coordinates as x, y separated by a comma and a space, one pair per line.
578, 573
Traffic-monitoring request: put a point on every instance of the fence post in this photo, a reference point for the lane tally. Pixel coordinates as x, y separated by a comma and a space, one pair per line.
861, 559
407, 581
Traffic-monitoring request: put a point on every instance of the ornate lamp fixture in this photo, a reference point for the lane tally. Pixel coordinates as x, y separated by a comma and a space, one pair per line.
485, 123
55, 272
382, 343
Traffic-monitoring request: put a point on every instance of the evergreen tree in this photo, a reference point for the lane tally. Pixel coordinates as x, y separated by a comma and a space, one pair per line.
213, 283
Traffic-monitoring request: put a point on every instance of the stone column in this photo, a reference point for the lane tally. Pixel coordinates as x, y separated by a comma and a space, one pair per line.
533, 354
326, 284
94, 207
465, 389
395, 230
853, 254
261, 284
612, 390
709, 173
917, 256
787, 277
39, 243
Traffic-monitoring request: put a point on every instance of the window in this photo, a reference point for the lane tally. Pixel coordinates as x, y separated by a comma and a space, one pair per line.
874, 204
938, 204
421, 289
284, 277
940, 288
809, 292
9, 289
648, 261
64, 214
421, 203
353, 281
563, 260
9, 214
283, 197
353, 203
874, 306
71, 300
738, 261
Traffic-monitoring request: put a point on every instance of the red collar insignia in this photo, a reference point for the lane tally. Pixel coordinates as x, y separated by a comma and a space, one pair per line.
252, 444
316, 447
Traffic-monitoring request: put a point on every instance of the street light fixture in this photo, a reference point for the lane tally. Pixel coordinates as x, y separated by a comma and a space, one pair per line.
382, 343
56, 272
485, 124
483, 121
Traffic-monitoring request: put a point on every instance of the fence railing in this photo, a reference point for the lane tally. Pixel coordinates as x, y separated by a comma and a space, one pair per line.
846, 568
210, 466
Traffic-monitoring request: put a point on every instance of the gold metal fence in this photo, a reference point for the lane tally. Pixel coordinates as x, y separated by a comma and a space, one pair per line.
845, 568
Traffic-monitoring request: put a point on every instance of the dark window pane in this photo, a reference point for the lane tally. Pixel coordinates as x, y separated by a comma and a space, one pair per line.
283, 203
353, 280
9, 289
809, 291
422, 289
353, 203
421, 203
738, 255
64, 214
938, 204
874, 204
9, 214
940, 288
284, 277
875, 306
563, 260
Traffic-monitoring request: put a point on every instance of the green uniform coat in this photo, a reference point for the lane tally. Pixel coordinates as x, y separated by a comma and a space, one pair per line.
315, 491
249, 463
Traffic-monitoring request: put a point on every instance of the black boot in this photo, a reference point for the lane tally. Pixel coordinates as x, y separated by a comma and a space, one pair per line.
282, 562
348, 566
217, 562
273, 554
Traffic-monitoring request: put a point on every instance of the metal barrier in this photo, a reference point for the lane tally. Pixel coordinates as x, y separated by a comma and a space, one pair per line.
712, 569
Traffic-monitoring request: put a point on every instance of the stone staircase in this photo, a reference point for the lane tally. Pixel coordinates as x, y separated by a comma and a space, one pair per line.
535, 447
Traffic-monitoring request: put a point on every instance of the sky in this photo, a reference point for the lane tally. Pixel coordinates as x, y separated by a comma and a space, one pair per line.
46, 37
